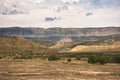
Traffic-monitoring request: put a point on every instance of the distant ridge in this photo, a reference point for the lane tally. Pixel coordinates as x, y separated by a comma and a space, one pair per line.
57, 34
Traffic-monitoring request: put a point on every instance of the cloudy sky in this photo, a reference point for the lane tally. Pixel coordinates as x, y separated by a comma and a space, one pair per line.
59, 13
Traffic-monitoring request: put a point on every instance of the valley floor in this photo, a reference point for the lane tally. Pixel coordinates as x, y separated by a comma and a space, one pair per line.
57, 70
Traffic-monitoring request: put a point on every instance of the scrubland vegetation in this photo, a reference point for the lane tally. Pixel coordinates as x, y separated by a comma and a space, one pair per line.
21, 59
64, 69
93, 58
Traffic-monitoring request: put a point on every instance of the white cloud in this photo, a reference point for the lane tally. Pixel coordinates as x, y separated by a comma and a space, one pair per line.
75, 16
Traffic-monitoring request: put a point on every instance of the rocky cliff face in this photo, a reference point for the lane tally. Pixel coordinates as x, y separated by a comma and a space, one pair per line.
57, 34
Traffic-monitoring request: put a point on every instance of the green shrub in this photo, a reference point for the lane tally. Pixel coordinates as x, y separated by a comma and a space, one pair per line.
101, 60
78, 58
91, 60
97, 60
69, 60
53, 58
0, 57
116, 59
23, 56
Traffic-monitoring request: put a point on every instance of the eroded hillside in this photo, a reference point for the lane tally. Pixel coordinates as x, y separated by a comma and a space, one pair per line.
104, 45
19, 44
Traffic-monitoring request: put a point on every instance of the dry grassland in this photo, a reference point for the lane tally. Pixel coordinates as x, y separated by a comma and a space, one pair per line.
57, 70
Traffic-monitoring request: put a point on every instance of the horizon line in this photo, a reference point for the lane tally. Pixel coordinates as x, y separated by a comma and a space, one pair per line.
59, 27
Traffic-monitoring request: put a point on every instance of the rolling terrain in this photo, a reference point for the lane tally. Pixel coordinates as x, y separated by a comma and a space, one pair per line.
13, 44
104, 45
65, 58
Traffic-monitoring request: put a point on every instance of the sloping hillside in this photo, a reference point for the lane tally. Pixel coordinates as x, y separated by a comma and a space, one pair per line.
19, 44
104, 45
109, 45
62, 45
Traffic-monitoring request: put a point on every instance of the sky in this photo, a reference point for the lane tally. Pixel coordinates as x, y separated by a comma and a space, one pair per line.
59, 13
